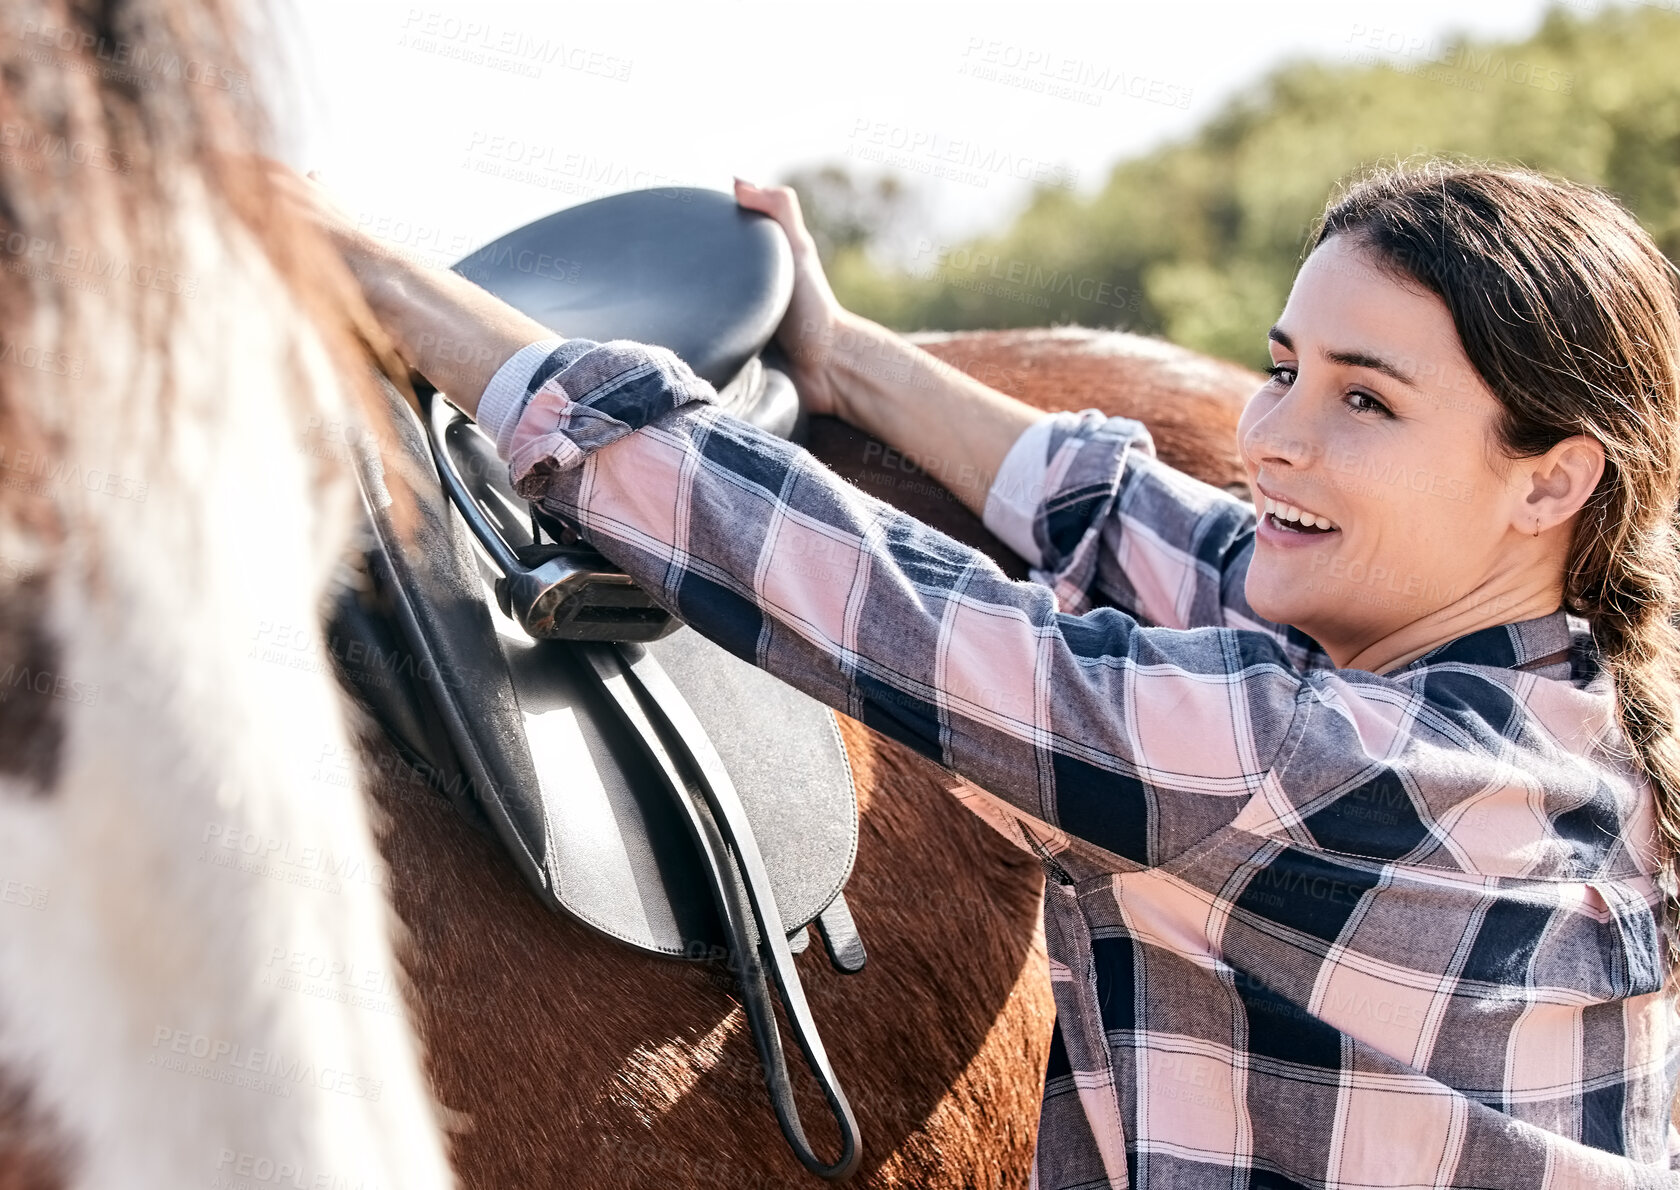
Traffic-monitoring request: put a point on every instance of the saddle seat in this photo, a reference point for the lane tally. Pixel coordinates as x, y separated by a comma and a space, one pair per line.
683, 268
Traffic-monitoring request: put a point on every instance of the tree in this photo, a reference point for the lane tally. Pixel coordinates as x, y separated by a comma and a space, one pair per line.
1199, 240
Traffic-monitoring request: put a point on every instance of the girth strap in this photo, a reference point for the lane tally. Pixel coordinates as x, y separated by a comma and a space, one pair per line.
654, 708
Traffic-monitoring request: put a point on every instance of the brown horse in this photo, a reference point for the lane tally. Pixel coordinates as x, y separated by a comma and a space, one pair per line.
199, 966
572, 1061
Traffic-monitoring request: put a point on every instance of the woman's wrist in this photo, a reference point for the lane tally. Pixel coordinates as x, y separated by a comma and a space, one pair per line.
387, 281
874, 372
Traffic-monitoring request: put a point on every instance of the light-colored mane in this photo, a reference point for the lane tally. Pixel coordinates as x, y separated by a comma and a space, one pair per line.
170, 518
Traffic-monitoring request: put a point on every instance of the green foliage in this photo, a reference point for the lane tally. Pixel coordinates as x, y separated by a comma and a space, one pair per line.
1199, 240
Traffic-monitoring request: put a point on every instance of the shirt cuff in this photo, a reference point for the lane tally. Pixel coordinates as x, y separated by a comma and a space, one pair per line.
1016, 493
586, 395
514, 384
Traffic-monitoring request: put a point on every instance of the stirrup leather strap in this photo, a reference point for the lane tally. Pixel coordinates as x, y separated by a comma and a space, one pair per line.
656, 710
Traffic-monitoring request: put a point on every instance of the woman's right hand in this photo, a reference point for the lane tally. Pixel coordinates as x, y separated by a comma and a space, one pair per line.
814, 317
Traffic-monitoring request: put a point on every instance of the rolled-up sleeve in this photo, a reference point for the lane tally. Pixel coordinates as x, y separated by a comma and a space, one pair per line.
1137, 740
1017, 492
1098, 517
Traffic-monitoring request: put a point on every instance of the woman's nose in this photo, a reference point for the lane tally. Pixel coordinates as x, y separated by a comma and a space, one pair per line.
1280, 435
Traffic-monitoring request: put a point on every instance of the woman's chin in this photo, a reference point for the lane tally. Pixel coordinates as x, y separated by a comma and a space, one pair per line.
1280, 599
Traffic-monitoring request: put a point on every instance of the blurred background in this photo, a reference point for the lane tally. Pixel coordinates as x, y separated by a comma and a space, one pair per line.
981, 165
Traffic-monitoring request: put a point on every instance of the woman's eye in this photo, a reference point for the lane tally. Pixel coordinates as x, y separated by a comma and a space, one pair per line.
1283, 374
1366, 403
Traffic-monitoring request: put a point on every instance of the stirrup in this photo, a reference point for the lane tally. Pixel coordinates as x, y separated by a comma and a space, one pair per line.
556, 592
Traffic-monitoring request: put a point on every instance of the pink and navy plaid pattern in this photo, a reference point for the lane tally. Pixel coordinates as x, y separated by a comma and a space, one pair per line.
1308, 927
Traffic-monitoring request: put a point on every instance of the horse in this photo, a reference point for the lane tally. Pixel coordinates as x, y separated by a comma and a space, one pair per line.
240, 944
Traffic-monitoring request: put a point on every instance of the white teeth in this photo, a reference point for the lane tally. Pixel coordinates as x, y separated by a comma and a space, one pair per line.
1288, 512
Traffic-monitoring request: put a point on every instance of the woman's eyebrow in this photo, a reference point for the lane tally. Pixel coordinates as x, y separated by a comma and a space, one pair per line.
1351, 359
1362, 359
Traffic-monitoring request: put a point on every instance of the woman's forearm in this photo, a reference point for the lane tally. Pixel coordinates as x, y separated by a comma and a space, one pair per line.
954, 427
445, 328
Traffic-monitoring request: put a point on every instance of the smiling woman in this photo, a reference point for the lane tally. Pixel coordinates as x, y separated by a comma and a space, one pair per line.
1370, 476
1529, 367
1356, 839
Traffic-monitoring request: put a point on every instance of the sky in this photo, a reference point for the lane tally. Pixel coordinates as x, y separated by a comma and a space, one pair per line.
441, 125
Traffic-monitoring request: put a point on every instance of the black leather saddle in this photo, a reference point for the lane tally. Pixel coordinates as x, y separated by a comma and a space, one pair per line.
644, 780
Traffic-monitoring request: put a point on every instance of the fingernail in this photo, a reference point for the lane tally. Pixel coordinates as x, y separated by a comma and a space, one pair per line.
747, 184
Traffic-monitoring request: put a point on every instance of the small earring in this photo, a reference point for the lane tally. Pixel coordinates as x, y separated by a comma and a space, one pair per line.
1536, 526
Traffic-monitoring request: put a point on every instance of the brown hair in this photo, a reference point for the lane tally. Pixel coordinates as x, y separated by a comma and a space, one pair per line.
1571, 316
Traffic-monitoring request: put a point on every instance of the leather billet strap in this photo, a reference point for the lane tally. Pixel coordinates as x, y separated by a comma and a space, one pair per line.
746, 903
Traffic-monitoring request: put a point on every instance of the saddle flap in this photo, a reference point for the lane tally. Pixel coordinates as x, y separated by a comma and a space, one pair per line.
583, 810
619, 852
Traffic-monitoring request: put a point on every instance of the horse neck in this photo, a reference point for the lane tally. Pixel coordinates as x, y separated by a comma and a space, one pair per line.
197, 979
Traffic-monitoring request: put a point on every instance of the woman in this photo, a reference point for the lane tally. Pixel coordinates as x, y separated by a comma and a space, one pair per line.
1358, 808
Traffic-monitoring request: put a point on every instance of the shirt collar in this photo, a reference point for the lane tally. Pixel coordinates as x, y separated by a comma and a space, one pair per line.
1549, 645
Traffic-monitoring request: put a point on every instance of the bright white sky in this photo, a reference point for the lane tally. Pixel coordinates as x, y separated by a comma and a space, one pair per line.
443, 123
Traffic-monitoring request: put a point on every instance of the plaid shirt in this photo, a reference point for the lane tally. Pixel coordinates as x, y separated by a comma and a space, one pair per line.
1307, 926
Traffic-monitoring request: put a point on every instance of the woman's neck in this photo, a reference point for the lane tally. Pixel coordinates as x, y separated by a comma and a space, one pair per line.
1477, 610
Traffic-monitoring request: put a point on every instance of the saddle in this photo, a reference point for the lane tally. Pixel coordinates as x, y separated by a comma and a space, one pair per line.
644, 781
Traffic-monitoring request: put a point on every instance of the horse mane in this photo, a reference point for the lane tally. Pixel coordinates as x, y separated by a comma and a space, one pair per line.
180, 355
126, 128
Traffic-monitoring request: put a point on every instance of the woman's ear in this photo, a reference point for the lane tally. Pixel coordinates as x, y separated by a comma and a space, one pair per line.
1561, 480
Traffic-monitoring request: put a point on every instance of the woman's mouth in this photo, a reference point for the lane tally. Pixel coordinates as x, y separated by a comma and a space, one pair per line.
1288, 518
